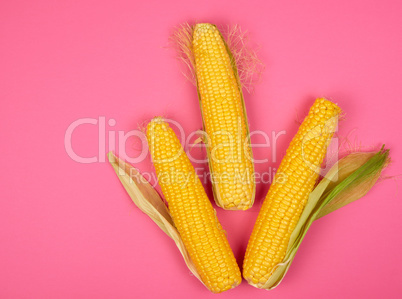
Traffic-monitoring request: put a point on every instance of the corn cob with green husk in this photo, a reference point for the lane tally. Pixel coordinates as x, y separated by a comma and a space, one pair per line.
224, 117
191, 210
348, 180
288, 194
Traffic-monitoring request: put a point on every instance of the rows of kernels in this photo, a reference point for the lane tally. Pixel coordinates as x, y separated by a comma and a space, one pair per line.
285, 200
224, 120
191, 210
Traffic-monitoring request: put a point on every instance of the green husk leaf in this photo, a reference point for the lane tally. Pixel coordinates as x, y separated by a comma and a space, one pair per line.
358, 189
147, 199
351, 177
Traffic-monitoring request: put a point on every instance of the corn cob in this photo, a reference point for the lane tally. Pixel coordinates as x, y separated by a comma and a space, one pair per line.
224, 118
191, 210
287, 197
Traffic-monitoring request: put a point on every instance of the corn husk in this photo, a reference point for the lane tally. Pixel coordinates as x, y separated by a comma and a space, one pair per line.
147, 199
348, 180
360, 187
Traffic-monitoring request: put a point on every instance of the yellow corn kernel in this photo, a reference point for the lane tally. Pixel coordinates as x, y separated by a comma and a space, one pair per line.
286, 200
191, 210
225, 120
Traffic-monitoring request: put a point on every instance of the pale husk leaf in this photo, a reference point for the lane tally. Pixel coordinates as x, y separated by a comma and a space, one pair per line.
147, 199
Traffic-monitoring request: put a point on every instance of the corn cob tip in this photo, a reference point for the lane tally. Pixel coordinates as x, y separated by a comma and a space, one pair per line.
202, 31
156, 123
204, 27
156, 120
327, 103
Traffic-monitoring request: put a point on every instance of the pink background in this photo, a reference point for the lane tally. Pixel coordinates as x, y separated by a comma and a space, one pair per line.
69, 230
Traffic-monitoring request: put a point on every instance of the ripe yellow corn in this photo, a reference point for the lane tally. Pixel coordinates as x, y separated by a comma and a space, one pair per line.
191, 210
288, 194
225, 120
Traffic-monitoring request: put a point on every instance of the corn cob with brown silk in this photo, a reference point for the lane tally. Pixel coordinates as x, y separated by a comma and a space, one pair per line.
287, 196
191, 210
225, 122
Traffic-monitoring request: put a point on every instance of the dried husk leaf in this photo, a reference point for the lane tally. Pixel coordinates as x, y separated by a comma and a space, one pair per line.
148, 201
355, 174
